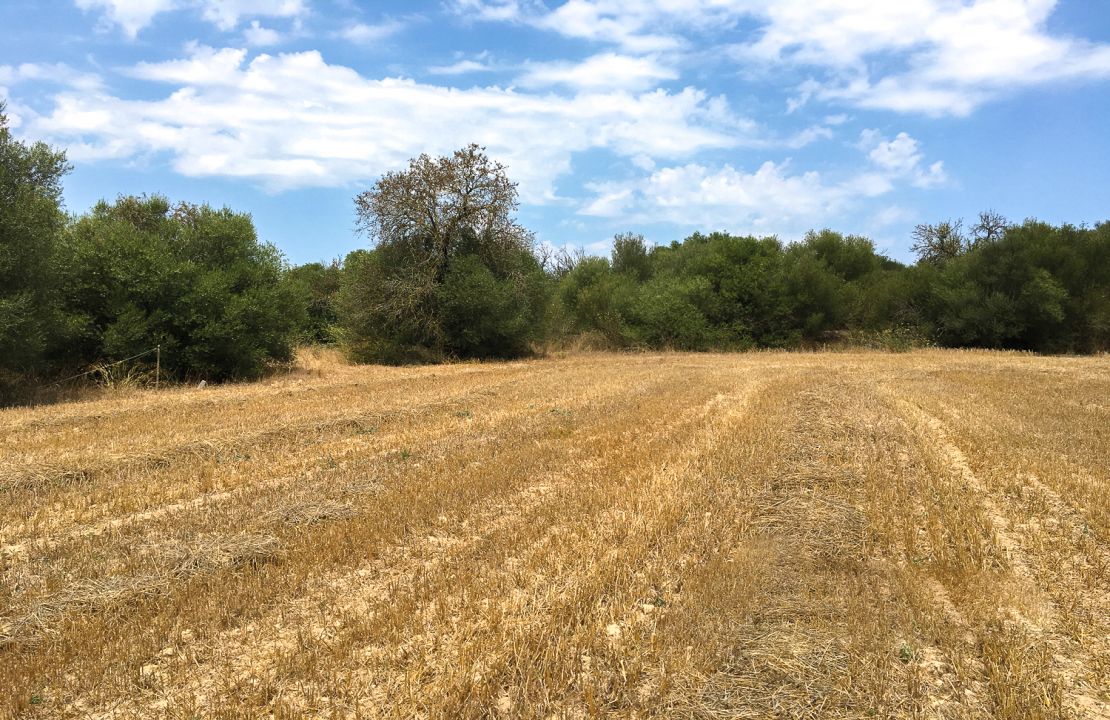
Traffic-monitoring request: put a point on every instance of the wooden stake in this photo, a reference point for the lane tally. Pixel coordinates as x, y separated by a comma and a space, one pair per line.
157, 365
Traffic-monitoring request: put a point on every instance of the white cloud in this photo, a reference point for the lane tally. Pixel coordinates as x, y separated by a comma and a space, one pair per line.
57, 73
134, 15
258, 36
956, 55
637, 26
901, 158
294, 120
625, 24
898, 156
770, 199
939, 57
225, 14
369, 33
607, 70
204, 66
491, 10
807, 136
610, 199
130, 15
461, 67
892, 215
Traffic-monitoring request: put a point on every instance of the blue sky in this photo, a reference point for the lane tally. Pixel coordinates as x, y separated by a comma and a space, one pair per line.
751, 116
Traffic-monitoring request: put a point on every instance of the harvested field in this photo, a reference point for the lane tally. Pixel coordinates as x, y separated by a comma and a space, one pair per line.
686, 536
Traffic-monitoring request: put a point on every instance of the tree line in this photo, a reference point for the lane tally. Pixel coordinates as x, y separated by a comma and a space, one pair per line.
449, 273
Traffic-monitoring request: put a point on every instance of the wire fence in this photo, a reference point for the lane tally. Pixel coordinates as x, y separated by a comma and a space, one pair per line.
157, 350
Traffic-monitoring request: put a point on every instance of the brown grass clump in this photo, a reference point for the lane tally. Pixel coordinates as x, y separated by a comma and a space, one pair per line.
313, 511
212, 552
318, 361
818, 535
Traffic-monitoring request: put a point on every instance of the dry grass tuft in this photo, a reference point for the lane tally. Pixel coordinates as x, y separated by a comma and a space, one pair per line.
318, 361
214, 552
314, 511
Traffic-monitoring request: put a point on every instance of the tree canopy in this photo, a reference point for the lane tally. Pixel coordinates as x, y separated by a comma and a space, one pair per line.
451, 272
31, 217
193, 279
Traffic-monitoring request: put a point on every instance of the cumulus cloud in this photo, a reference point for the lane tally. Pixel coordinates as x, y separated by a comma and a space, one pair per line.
493, 10
902, 158
294, 120
370, 33
607, 70
132, 16
937, 57
461, 67
57, 73
951, 57
258, 36
768, 199
771, 198
225, 14
205, 66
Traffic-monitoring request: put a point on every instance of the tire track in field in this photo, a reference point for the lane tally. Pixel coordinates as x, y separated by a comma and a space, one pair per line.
567, 399
1072, 662
523, 451
549, 577
31, 477
237, 398
256, 442
372, 586
305, 435
814, 634
955, 459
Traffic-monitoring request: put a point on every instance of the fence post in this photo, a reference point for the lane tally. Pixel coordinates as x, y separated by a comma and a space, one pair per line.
157, 365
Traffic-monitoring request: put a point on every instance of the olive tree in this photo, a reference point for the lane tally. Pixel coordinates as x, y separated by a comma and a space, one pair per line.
435, 205
940, 243
451, 272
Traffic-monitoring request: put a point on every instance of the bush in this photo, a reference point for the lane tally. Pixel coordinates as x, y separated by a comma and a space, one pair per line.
317, 286
138, 273
31, 219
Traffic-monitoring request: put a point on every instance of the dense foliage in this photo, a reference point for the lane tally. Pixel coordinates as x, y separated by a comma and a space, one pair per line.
129, 276
195, 280
450, 274
1029, 287
31, 219
316, 285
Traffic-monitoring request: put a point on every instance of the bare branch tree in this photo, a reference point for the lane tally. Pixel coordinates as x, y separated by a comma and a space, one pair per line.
438, 202
937, 244
991, 226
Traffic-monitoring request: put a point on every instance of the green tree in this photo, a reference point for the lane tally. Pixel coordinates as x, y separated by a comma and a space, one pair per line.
442, 230
317, 286
193, 279
940, 243
631, 256
1037, 287
669, 312
598, 301
31, 219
